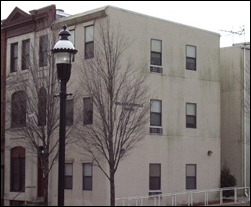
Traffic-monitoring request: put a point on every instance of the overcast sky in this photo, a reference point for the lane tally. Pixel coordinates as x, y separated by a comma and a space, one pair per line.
209, 15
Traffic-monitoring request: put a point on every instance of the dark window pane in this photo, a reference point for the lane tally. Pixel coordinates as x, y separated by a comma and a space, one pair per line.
69, 112
155, 119
18, 109
154, 183
22, 174
23, 113
17, 182
87, 185
191, 121
43, 50
190, 63
14, 175
42, 103
68, 182
191, 183
14, 65
25, 54
14, 57
88, 111
155, 58
89, 50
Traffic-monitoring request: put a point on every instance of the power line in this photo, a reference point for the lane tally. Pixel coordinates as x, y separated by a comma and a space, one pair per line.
232, 32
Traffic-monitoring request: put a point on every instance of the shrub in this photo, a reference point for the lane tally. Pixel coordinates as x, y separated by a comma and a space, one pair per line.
227, 180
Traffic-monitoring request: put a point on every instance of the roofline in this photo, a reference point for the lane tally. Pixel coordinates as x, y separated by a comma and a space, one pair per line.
161, 19
80, 18
100, 12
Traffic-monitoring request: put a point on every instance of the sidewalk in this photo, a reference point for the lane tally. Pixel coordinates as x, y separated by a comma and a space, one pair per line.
241, 201
238, 204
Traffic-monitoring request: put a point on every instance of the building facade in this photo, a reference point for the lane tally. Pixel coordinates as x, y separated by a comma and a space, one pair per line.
3, 91
18, 33
235, 111
181, 148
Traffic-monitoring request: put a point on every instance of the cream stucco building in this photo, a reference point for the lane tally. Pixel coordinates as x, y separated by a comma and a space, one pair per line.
235, 111
181, 149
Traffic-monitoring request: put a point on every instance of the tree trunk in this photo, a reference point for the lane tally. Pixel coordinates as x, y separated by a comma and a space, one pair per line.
112, 187
46, 181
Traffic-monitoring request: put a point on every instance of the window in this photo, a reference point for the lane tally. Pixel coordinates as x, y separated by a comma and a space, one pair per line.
156, 47
191, 115
155, 116
42, 103
190, 57
17, 182
155, 176
14, 57
18, 109
69, 112
89, 42
87, 176
25, 54
43, 50
190, 176
72, 36
68, 175
72, 39
88, 111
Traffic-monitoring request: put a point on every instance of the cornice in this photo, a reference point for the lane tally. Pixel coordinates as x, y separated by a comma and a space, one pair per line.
73, 20
18, 23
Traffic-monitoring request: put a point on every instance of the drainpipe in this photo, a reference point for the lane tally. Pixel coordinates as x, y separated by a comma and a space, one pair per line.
244, 121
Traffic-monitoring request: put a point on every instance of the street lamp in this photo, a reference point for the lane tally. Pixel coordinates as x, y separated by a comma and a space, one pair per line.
64, 52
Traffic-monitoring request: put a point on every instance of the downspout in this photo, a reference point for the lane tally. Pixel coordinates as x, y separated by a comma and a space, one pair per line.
244, 122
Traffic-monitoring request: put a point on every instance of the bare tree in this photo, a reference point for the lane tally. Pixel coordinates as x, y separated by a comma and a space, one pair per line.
118, 91
38, 103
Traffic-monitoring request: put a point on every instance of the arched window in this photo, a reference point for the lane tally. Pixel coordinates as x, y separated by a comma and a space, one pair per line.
17, 179
18, 109
42, 103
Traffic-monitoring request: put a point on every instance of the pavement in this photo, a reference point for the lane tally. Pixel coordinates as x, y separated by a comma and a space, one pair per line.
238, 204
241, 201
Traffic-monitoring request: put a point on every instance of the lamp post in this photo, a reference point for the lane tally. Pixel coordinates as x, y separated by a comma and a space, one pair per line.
64, 51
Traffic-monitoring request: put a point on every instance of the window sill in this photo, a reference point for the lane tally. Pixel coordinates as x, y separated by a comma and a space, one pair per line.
191, 69
155, 194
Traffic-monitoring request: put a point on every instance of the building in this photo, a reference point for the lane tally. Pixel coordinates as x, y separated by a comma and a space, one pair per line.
17, 32
181, 149
3, 77
235, 111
